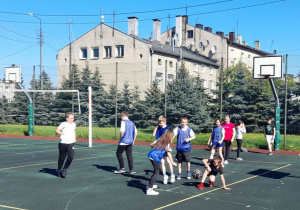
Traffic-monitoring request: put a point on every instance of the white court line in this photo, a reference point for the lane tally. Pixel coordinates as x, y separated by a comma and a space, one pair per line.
11, 207
243, 180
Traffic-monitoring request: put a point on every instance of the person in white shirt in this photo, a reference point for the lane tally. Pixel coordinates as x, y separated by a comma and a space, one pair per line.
240, 129
67, 132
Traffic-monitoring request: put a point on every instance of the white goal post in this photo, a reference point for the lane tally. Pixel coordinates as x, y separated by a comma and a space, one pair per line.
47, 91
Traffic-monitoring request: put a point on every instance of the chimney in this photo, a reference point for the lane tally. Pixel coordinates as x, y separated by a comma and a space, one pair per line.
178, 31
209, 29
239, 39
257, 45
220, 33
232, 36
133, 26
200, 26
245, 43
185, 19
156, 30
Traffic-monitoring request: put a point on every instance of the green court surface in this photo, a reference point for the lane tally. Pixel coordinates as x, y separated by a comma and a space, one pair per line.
28, 180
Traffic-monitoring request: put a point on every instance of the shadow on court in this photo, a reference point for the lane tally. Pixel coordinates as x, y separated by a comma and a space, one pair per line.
105, 168
50, 171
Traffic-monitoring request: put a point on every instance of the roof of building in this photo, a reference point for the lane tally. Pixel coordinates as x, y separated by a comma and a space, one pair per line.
187, 54
248, 48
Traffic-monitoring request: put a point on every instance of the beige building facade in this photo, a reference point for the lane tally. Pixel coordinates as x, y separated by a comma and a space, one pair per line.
122, 58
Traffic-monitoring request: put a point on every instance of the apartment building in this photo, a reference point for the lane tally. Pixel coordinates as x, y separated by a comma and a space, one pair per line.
124, 57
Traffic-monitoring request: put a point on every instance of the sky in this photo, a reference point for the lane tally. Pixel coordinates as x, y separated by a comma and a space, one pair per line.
275, 23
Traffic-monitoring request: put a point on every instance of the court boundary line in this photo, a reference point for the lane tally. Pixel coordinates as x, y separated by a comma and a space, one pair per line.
243, 180
11, 207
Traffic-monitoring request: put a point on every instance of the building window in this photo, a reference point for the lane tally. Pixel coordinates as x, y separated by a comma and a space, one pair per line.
159, 80
120, 51
107, 51
190, 34
204, 84
203, 69
249, 60
95, 52
242, 54
232, 56
159, 61
83, 53
195, 67
170, 78
211, 85
171, 63
211, 71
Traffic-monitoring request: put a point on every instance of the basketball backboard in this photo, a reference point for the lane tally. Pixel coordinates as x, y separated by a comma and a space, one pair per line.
268, 67
13, 73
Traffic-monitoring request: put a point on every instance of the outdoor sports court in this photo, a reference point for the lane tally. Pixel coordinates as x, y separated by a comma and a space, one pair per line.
28, 180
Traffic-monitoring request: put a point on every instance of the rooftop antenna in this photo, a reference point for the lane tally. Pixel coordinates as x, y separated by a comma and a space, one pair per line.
271, 46
113, 32
186, 7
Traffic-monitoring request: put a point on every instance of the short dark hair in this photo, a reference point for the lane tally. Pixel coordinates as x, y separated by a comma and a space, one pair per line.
124, 114
68, 114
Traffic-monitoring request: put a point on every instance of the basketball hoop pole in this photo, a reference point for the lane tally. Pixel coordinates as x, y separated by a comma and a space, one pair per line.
277, 117
30, 111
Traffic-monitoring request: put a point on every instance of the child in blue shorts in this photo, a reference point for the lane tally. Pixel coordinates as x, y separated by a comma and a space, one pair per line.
158, 132
185, 135
160, 148
216, 140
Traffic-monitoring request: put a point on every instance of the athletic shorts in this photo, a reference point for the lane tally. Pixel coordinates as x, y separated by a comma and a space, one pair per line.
216, 145
183, 157
270, 138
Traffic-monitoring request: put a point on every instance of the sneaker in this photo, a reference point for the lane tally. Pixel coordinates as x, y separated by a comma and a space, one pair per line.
200, 186
211, 184
152, 192
154, 187
58, 173
172, 178
120, 171
132, 172
166, 177
63, 173
239, 159
179, 176
270, 153
223, 165
225, 162
189, 175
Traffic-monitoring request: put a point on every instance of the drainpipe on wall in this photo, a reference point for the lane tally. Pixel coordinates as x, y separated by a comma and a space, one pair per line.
151, 68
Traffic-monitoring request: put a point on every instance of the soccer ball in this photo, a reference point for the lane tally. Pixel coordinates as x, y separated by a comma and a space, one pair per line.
197, 173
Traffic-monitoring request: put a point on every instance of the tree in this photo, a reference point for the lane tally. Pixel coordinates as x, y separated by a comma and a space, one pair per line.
153, 106
186, 97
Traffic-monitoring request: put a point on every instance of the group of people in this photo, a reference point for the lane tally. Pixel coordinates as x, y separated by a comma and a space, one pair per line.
220, 140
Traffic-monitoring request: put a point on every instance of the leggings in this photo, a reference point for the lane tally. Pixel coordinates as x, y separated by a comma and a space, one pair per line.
156, 167
226, 149
65, 150
128, 150
239, 146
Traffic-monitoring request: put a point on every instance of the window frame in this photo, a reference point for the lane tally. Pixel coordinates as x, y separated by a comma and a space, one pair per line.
106, 52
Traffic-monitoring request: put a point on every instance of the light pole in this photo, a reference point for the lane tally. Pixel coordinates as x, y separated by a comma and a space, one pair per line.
41, 49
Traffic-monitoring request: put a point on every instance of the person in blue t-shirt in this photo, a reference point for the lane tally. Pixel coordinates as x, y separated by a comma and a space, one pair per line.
128, 135
185, 135
216, 140
160, 148
158, 132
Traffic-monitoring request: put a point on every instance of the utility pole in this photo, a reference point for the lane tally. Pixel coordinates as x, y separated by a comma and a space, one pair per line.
41, 49
70, 64
166, 83
221, 89
116, 100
